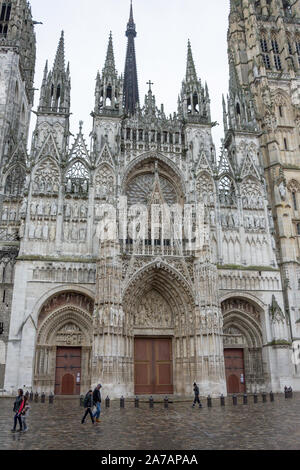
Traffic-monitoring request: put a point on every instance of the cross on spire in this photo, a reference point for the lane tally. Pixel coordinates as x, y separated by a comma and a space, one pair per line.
150, 84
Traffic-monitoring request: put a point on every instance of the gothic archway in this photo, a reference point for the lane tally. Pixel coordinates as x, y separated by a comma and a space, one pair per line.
159, 305
243, 340
64, 341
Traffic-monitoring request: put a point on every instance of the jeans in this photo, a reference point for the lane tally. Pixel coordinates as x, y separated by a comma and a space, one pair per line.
97, 414
24, 423
16, 419
88, 411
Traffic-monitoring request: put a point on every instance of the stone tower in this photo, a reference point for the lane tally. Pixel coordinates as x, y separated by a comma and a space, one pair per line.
264, 54
17, 65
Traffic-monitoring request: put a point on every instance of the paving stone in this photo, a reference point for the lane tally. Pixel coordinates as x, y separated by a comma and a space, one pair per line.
269, 426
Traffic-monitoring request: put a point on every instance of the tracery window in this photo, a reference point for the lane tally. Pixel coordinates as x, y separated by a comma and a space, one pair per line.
5, 10
226, 191
265, 52
294, 200
77, 179
15, 182
276, 54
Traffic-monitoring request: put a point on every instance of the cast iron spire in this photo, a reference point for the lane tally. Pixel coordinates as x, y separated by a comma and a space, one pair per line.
131, 89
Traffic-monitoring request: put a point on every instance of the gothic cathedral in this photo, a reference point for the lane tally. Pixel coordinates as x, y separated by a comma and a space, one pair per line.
152, 315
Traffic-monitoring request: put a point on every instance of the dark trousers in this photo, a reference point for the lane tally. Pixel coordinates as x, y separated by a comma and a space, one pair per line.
16, 419
197, 400
88, 411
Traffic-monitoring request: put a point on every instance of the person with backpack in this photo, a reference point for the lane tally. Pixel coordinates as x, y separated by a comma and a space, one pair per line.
18, 408
25, 413
197, 393
88, 405
97, 402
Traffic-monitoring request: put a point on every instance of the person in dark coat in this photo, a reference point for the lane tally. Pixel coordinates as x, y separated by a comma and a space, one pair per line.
97, 402
88, 404
18, 408
197, 393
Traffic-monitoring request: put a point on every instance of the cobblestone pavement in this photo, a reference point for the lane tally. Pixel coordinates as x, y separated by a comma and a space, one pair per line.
255, 426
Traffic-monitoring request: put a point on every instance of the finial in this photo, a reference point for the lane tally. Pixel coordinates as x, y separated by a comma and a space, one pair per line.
150, 84
80, 125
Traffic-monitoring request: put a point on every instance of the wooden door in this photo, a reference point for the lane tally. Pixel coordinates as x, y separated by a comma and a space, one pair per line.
153, 366
68, 371
235, 370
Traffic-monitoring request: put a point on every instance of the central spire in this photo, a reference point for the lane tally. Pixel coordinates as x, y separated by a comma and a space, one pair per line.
131, 89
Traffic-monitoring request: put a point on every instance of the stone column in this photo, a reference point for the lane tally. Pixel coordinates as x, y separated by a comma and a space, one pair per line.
112, 360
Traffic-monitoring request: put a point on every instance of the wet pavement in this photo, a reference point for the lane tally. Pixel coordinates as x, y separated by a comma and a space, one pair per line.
270, 426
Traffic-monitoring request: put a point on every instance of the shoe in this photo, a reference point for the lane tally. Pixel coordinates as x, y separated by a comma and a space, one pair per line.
19, 430
98, 420
82, 422
13, 430
25, 430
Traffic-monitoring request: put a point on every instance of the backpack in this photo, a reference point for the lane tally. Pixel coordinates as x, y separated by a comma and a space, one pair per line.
87, 401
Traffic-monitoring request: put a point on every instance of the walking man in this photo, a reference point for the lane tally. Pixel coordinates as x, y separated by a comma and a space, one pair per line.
97, 402
88, 404
197, 393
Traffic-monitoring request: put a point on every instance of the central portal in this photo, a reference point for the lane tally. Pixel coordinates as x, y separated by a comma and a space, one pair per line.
153, 366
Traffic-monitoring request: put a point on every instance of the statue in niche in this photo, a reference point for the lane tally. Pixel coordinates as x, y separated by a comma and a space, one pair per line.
75, 211
48, 208
40, 210
38, 231
12, 215
23, 208
5, 214
54, 208
68, 210
282, 190
52, 234
66, 232
45, 232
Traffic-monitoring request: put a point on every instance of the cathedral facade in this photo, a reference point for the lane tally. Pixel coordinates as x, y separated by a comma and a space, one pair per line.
92, 293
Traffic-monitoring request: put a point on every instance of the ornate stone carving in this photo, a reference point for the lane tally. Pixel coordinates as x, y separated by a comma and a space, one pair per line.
153, 311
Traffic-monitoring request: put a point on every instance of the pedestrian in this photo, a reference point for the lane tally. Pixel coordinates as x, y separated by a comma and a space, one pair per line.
97, 402
197, 393
88, 404
25, 413
18, 407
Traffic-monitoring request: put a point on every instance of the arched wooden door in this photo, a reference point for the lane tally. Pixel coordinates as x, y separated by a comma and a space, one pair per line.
68, 371
235, 370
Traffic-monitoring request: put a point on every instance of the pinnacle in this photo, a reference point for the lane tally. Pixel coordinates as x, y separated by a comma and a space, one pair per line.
59, 63
191, 74
110, 58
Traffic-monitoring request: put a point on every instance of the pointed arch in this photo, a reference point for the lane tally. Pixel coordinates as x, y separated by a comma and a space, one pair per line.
15, 181
77, 179
46, 177
104, 181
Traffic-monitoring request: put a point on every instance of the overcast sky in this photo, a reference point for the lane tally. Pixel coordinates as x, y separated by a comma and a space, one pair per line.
163, 27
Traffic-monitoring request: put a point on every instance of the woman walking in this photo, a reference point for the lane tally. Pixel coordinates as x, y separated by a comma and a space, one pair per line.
18, 408
25, 414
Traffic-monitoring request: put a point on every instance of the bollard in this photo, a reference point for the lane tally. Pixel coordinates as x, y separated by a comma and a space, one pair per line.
31, 396
166, 401
107, 402
222, 399
137, 402
255, 398
51, 398
36, 397
264, 397
234, 400
209, 402
43, 398
151, 402
245, 399
122, 402
81, 400
271, 396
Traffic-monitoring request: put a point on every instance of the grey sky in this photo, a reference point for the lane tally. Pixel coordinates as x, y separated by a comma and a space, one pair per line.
163, 27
